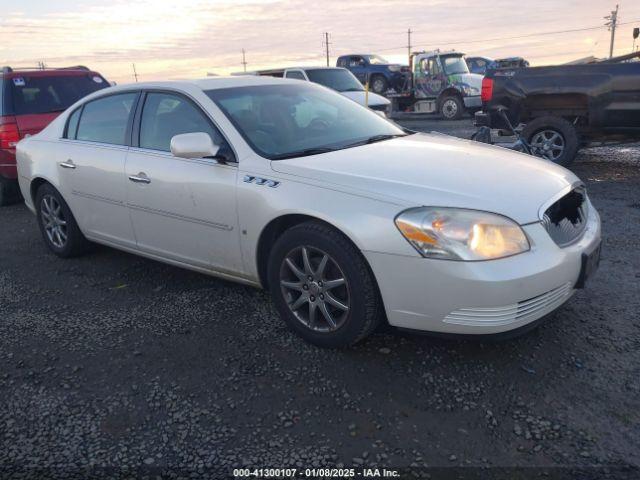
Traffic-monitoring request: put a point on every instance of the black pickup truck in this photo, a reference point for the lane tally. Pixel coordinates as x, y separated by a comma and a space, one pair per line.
557, 110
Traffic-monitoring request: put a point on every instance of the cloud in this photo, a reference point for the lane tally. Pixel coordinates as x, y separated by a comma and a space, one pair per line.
176, 39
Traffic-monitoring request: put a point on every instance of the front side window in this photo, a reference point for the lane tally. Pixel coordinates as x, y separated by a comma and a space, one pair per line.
284, 121
165, 115
105, 120
335, 78
377, 60
454, 65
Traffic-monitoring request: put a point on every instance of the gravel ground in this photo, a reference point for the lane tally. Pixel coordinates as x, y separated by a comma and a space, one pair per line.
116, 365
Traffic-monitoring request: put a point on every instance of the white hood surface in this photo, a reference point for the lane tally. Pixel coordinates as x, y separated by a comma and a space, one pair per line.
375, 100
472, 79
438, 170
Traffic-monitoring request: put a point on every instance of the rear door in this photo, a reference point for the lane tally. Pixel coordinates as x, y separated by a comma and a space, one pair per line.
182, 209
92, 170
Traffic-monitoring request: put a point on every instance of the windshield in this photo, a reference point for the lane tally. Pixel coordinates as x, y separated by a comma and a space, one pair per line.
284, 121
336, 79
45, 94
454, 65
377, 60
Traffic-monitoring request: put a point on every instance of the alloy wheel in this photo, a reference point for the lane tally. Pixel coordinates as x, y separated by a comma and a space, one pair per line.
315, 289
548, 144
53, 221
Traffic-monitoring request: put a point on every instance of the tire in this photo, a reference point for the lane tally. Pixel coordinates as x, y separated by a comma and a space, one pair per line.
541, 131
379, 84
451, 108
359, 292
51, 208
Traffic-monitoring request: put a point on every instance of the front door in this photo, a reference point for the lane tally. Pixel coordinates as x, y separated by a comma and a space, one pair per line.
182, 209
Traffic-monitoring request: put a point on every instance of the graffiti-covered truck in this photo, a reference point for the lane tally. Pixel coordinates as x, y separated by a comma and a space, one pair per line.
439, 82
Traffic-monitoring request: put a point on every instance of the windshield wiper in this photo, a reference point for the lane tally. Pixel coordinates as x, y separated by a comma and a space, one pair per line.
303, 153
382, 138
353, 90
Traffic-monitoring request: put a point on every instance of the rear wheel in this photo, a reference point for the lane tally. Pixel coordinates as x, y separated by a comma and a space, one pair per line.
57, 224
552, 138
451, 108
322, 286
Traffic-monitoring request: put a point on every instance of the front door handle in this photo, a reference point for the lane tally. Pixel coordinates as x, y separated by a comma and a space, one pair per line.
68, 164
140, 178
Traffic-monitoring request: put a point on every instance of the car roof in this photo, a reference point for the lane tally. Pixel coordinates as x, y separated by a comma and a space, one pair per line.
212, 83
54, 72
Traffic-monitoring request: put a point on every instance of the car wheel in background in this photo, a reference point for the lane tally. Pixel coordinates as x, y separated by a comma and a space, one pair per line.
451, 108
57, 224
323, 287
552, 138
379, 84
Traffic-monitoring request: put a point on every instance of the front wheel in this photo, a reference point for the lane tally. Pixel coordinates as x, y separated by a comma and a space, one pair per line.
379, 84
323, 287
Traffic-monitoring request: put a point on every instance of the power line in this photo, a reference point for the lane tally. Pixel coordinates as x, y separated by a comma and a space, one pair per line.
495, 39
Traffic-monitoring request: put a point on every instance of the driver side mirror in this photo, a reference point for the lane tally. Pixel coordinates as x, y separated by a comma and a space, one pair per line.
193, 145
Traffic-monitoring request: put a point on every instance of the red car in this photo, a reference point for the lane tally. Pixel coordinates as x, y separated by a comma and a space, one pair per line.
29, 101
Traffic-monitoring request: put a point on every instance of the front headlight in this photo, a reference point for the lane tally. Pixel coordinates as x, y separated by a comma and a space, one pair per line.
459, 234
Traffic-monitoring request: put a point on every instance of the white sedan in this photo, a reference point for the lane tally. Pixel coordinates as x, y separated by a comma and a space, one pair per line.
347, 219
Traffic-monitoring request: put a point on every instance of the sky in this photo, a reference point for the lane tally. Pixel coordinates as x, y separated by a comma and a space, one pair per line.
178, 39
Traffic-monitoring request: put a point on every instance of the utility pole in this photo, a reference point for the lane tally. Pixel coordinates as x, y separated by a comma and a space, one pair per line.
613, 21
244, 61
135, 74
409, 45
326, 44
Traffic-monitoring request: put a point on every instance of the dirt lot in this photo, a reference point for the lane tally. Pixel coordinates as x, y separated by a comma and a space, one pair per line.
115, 364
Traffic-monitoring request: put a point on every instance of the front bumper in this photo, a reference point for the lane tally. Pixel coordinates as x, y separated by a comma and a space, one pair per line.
482, 297
472, 102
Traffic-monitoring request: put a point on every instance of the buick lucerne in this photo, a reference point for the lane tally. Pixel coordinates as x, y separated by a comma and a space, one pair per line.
347, 219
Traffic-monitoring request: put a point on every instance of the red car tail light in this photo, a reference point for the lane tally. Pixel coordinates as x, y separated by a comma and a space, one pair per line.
487, 89
9, 133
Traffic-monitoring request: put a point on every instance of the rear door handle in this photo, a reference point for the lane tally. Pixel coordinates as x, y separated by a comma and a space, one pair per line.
68, 164
140, 178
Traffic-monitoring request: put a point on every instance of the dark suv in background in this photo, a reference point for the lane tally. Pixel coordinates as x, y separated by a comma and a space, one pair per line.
29, 100
380, 74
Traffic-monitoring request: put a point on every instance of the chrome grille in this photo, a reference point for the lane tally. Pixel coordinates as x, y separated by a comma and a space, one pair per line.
527, 309
566, 219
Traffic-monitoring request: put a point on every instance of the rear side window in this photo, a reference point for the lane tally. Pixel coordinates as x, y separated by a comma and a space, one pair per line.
43, 94
72, 125
105, 120
165, 115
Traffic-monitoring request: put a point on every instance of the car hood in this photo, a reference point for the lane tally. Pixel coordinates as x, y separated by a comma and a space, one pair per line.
438, 170
375, 100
